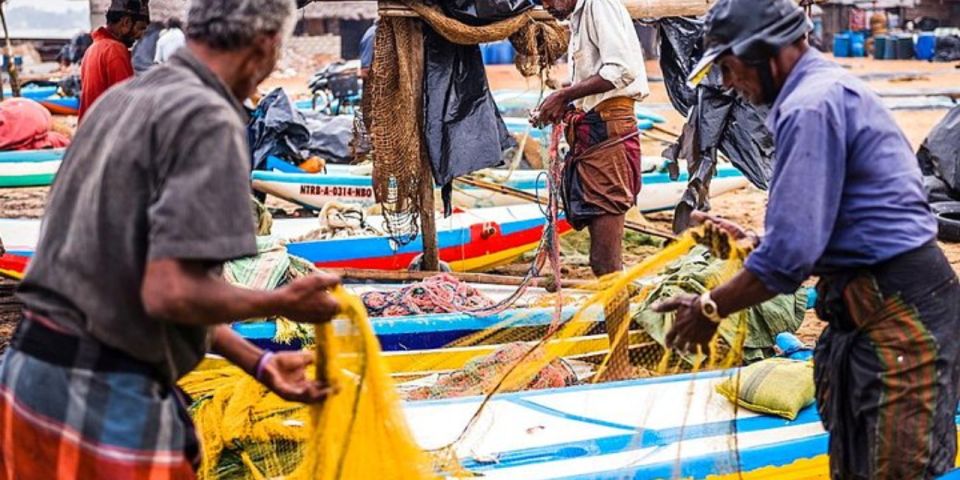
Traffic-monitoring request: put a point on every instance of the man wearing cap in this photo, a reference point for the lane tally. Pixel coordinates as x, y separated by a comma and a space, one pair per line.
108, 62
124, 294
846, 204
602, 171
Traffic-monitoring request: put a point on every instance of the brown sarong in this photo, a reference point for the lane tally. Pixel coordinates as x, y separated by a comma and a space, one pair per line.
602, 172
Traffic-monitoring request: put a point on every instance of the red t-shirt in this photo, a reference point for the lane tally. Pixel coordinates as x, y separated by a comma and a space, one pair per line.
106, 63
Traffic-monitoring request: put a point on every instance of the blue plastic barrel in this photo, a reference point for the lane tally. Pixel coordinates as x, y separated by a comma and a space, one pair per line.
905, 47
506, 52
879, 44
890, 48
857, 44
926, 45
841, 45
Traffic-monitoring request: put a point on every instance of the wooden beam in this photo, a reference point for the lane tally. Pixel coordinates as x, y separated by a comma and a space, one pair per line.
638, 9
523, 195
406, 276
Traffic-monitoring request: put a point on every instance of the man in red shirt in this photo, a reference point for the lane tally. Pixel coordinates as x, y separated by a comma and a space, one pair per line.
107, 62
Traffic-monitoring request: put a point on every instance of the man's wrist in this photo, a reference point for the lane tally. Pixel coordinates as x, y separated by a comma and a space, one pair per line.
708, 308
260, 368
723, 307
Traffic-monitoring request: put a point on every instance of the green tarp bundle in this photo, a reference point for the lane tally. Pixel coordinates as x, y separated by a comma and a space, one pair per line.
690, 274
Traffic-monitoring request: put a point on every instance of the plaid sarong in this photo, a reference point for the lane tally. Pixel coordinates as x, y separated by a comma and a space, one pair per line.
73, 409
888, 367
602, 173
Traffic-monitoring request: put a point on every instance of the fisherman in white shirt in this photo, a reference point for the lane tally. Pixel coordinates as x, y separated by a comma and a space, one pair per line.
171, 39
602, 172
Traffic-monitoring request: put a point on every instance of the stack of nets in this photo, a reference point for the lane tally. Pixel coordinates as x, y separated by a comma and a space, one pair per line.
361, 432
438, 294
393, 97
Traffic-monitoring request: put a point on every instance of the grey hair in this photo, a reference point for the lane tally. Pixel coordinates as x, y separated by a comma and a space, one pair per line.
233, 24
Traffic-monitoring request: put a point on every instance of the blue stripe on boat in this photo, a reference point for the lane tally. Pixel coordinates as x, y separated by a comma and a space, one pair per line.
373, 247
522, 183
33, 93
646, 438
68, 102
25, 156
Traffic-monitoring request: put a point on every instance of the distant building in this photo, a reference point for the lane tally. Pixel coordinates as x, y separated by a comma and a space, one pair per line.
837, 13
319, 19
160, 11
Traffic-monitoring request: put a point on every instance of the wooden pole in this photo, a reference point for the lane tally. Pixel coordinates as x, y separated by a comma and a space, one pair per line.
516, 193
356, 274
638, 9
428, 223
11, 69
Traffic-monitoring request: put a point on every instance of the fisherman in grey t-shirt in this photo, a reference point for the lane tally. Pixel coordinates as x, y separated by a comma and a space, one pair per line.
123, 296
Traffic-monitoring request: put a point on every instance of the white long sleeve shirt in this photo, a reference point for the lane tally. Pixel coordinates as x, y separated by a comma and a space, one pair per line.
169, 42
604, 41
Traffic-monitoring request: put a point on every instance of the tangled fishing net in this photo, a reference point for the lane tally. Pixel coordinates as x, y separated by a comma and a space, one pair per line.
439, 294
361, 431
393, 97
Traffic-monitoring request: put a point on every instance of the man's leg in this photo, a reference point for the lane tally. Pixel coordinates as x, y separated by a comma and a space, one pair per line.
606, 244
606, 257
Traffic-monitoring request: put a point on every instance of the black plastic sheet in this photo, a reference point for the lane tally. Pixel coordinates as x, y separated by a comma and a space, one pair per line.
716, 120
479, 12
277, 128
331, 137
948, 49
463, 129
939, 158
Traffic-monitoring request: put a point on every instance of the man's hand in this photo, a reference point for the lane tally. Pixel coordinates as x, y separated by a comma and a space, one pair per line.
308, 299
735, 231
690, 328
552, 109
284, 373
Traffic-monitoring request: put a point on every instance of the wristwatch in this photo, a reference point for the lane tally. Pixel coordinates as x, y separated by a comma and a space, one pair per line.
709, 308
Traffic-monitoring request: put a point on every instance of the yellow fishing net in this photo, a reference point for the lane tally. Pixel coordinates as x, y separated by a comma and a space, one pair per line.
361, 431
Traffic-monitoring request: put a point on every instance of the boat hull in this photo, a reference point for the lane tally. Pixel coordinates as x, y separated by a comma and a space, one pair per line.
316, 190
29, 168
468, 241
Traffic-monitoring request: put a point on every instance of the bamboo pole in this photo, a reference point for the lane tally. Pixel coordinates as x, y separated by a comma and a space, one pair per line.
11, 69
638, 9
428, 222
357, 274
516, 193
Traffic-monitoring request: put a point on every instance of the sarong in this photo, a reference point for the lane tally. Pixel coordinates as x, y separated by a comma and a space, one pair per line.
602, 171
73, 409
886, 367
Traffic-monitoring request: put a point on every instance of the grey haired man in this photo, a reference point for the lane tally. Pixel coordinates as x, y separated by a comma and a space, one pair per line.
122, 297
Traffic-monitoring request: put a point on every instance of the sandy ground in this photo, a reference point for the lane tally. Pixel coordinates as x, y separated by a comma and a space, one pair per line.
745, 207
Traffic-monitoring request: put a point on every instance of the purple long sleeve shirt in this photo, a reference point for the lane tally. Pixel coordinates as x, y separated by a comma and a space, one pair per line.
846, 190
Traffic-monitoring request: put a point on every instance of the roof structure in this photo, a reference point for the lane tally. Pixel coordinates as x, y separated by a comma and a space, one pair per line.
161, 10
355, 10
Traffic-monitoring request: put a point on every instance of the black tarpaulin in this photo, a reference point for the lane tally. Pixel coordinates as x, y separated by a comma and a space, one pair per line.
463, 129
716, 120
277, 128
939, 158
479, 12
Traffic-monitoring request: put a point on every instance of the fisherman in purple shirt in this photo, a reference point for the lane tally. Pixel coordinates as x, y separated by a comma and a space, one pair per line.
846, 204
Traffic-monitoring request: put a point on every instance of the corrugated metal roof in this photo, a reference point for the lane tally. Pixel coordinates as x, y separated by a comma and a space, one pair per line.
878, 3
357, 10
164, 9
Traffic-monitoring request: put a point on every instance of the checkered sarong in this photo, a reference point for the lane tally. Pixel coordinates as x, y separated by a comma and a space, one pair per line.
98, 417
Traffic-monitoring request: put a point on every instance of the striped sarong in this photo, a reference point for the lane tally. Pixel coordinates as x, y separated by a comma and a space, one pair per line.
887, 367
73, 409
602, 173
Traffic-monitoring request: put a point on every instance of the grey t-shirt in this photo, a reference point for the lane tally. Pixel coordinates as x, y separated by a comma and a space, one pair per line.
158, 169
